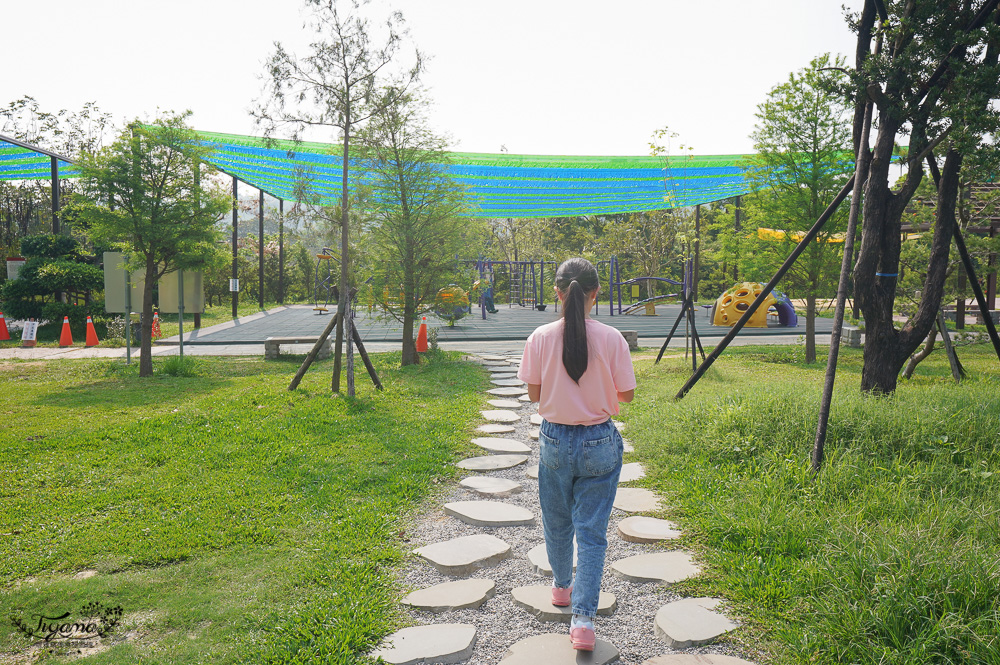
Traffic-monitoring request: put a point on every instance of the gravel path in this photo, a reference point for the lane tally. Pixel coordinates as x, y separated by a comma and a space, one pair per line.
499, 622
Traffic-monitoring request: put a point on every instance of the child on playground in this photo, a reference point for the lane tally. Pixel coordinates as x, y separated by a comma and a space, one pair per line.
578, 370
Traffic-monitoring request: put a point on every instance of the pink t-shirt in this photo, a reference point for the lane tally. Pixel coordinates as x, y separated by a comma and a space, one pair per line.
595, 398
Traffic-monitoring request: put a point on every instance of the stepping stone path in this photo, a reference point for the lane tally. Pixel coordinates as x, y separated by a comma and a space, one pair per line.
690, 622
495, 428
488, 486
537, 600
627, 447
505, 403
631, 471
461, 556
491, 462
509, 391
680, 624
490, 513
637, 529
636, 500
452, 595
495, 444
666, 567
500, 415
555, 649
437, 643
538, 557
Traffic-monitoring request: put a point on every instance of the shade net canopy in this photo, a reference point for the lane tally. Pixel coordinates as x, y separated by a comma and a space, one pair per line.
500, 185
18, 163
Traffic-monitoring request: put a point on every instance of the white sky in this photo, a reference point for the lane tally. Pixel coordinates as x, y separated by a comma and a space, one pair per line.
539, 76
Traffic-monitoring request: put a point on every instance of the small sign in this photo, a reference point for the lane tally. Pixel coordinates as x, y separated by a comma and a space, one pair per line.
635, 290
28, 333
14, 264
234, 285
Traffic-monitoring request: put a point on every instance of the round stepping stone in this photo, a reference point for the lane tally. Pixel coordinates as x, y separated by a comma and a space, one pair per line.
508, 391
696, 659
536, 419
494, 358
666, 567
524, 397
556, 649
690, 622
490, 513
463, 556
500, 415
631, 471
619, 424
533, 433
504, 375
638, 529
636, 500
537, 600
507, 382
538, 557
532, 471
627, 447
452, 595
495, 428
505, 403
495, 366
495, 444
491, 462
437, 643
488, 486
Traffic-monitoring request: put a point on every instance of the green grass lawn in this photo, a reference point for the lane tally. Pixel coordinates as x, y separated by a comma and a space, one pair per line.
232, 520
890, 555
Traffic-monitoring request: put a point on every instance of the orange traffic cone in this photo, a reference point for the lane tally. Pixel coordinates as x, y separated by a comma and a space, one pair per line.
422, 336
66, 338
156, 334
91, 333
4, 333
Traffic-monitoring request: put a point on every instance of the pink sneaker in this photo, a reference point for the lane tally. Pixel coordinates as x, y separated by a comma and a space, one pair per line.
561, 597
583, 638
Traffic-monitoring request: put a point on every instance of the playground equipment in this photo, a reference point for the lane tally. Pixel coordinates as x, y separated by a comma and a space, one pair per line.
451, 304
325, 288
735, 301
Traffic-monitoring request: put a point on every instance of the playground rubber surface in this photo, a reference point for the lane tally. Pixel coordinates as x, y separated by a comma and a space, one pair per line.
509, 323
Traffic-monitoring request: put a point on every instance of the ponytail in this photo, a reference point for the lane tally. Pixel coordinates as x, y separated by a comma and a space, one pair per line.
576, 279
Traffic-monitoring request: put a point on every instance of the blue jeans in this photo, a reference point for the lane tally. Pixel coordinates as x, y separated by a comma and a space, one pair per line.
577, 482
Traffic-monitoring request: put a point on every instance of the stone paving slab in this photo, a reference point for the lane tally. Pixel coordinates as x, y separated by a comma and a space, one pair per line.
627, 447
508, 391
690, 622
504, 375
493, 358
495, 444
438, 643
537, 600
696, 659
500, 415
505, 403
449, 596
491, 462
490, 513
532, 471
638, 529
488, 486
538, 558
536, 419
533, 433
619, 424
524, 397
462, 556
495, 428
666, 567
507, 382
636, 500
631, 471
556, 649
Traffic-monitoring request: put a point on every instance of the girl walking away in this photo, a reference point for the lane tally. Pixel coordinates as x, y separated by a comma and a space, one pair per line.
578, 370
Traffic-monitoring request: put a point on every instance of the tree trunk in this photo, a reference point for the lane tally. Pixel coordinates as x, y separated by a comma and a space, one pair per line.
811, 328
916, 358
410, 355
146, 345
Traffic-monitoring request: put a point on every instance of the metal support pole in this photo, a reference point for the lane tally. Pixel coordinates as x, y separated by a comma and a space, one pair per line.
281, 251
55, 195
991, 277
737, 226
260, 248
697, 252
236, 293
